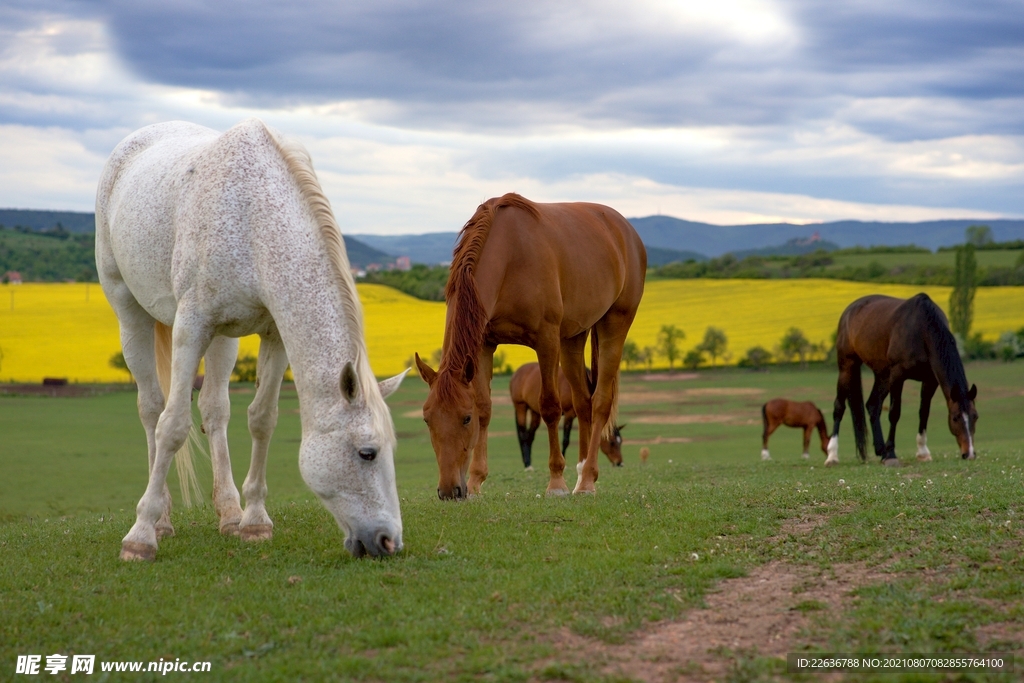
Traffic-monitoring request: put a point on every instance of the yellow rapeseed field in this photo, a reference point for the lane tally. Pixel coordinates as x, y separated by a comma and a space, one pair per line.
69, 330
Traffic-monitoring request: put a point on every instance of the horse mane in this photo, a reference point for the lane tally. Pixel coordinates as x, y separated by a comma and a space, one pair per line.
464, 331
946, 362
300, 165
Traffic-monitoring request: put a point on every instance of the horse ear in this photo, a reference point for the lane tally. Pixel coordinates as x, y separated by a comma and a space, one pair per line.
349, 383
621, 427
390, 386
425, 371
973, 393
469, 371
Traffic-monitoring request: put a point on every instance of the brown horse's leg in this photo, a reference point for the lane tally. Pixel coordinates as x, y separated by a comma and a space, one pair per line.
482, 394
611, 331
928, 388
895, 408
770, 425
807, 441
575, 371
551, 407
523, 431
875, 400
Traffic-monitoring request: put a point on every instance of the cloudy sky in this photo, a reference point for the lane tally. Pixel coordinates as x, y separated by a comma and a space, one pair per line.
733, 111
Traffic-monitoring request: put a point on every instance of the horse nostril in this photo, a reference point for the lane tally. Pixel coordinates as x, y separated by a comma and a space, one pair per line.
440, 497
458, 492
386, 543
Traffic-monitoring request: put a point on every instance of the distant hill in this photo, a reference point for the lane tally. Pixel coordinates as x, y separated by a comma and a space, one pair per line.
431, 248
714, 240
794, 247
656, 256
76, 222
40, 221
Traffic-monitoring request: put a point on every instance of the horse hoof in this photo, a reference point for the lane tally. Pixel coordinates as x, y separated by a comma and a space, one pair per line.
528, 468
585, 491
164, 531
831, 463
229, 529
765, 455
891, 462
924, 457
137, 552
256, 532
556, 492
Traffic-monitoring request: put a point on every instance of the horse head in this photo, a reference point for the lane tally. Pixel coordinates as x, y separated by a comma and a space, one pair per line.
451, 417
612, 447
348, 462
963, 417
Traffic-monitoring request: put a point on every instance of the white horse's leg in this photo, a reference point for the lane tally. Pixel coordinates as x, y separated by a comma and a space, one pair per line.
215, 406
270, 367
137, 345
171, 432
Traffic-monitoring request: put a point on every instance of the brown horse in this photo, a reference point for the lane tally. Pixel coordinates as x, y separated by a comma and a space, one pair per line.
900, 339
779, 411
525, 390
541, 275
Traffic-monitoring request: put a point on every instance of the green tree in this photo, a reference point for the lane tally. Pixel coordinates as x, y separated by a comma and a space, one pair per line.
647, 356
118, 362
965, 284
630, 353
694, 357
714, 344
978, 235
794, 344
668, 343
245, 369
756, 358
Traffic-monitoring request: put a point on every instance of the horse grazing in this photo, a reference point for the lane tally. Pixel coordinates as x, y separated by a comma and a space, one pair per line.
202, 238
779, 411
900, 339
525, 390
541, 275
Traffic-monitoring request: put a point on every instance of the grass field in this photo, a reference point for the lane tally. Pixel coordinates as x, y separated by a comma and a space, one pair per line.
1004, 258
69, 330
512, 586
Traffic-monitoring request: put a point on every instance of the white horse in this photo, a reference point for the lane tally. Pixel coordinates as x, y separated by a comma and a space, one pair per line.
202, 238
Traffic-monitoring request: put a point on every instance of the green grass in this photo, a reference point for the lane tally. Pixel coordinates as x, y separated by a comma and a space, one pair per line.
482, 585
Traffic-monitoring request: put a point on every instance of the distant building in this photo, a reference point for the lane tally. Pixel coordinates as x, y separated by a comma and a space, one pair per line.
12, 276
403, 263
373, 267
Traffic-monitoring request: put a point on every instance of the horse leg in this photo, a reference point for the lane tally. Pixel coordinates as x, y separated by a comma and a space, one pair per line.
769, 428
482, 394
895, 408
532, 432
215, 407
189, 344
875, 400
271, 364
611, 331
523, 433
137, 344
551, 407
566, 434
807, 442
575, 371
844, 389
928, 388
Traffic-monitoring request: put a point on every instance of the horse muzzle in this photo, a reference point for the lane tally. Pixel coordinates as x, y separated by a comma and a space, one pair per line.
457, 492
375, 543
970, 455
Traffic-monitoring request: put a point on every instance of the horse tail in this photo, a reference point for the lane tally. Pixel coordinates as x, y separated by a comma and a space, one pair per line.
183, 459
860, 426
764, 421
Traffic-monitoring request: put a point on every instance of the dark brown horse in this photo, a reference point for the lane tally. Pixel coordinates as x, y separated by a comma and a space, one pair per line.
541, 275
900, 339
525, 390
805, 414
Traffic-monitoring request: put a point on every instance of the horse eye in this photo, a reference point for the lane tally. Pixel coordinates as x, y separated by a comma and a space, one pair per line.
465, 420
367, 453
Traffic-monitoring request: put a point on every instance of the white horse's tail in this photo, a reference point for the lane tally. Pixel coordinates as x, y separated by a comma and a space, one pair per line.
183, 461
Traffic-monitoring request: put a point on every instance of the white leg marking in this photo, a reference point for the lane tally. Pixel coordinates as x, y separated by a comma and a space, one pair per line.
805, 455
833, 451
923, 454
765, 455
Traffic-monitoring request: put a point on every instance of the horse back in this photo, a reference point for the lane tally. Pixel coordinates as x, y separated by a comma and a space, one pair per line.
525, 388
883, 331
571, 262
